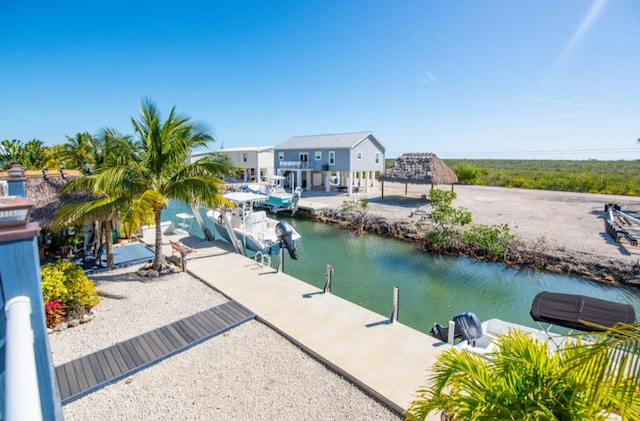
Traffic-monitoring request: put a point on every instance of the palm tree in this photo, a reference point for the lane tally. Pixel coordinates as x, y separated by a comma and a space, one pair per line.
524, 380
610, 367
80, 151
11, 152
517, 382
140, 175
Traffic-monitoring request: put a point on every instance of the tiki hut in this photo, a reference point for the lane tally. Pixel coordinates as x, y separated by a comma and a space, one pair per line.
48, 199
418, 168
45, 193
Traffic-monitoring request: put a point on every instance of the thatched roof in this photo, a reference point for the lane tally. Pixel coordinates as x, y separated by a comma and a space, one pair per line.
419, 168
48, 199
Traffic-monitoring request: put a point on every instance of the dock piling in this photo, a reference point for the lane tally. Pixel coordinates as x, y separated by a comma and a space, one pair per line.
329, 276
396, 305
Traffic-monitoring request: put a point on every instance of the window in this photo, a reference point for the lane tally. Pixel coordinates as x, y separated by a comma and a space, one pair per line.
318, 155
280, 156
377, 158
332, 158
244, 157
359, 155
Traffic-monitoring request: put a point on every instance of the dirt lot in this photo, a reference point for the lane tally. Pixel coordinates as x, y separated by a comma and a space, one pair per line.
570, 224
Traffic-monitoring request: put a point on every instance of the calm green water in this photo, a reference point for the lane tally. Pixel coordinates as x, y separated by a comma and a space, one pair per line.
432, 288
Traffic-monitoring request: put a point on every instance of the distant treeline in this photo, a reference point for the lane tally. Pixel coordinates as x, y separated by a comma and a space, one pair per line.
606, 177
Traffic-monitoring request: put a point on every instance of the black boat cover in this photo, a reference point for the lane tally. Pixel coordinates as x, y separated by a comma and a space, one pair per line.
570, 310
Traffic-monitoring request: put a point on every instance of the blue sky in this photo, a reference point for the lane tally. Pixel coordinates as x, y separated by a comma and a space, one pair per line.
527, 79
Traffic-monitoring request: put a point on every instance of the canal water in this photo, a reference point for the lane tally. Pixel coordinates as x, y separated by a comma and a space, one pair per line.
366, 268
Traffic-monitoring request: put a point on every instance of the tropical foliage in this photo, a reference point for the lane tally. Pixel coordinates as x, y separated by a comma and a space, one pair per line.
524, 380
33, 155
606, 177
445, 234
141, 173
67, 292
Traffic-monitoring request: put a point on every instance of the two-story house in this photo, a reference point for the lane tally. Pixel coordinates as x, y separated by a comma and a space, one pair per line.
251, 162
320, 160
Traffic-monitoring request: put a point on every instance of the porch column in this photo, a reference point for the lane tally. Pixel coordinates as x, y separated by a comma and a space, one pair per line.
308, 180
327, 181
350, 181
366, 182
298, 178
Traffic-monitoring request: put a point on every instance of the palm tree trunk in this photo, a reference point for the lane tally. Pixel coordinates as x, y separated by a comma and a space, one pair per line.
157, 261
108, 224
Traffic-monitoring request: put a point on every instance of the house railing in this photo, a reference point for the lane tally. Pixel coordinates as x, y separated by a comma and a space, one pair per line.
303, 165
22, 394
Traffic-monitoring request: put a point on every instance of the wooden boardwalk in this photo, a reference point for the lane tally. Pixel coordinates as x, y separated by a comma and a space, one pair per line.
86, 374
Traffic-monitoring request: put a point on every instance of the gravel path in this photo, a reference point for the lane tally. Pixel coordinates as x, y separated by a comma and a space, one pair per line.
248, 373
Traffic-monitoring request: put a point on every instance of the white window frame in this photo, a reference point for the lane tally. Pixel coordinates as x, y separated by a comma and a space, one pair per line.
377, 158
318, 155
280, 156
359, 155
332, 157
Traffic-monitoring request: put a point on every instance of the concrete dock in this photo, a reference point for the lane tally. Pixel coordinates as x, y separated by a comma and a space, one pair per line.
388, 360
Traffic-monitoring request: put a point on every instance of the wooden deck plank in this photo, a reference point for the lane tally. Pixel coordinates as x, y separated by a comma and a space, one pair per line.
88, 372
116, 362
205, 322
71, 378
63, 381
213, 319
198, 327
97, 368
77, 368
169, 337
159, 342
81, 376
105, 365
151, 350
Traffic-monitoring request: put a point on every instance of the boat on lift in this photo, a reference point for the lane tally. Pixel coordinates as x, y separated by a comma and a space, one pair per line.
250, 229
548, 309
279, 199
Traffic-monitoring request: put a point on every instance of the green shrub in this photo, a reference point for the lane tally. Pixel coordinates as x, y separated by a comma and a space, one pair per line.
492, 241
69, 286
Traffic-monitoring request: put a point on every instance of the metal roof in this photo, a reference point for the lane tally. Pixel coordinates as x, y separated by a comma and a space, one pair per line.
326, 141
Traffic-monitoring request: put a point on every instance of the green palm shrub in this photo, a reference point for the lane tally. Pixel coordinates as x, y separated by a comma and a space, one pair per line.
67, 291
521, 380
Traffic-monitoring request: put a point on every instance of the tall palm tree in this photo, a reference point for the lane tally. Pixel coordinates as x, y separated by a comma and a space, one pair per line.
163, 171
140, 175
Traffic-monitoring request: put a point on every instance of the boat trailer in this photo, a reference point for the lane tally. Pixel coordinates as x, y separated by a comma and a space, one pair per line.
621, 225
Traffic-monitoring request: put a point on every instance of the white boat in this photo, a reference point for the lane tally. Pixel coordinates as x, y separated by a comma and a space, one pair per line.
251, 229
574, 312
278, 198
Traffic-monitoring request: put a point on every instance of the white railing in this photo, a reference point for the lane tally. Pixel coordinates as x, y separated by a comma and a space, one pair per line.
22, 394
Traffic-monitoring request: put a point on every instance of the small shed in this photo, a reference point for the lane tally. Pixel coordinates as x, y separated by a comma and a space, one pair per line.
419, 168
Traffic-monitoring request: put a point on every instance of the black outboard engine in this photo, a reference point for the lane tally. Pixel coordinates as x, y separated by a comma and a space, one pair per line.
285, 234
468, 328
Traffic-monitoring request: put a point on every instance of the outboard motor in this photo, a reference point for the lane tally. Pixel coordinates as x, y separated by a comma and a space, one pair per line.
468, 328
285, 234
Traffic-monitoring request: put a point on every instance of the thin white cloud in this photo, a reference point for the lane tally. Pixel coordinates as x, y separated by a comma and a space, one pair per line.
429, 79
592, 15
594, 12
